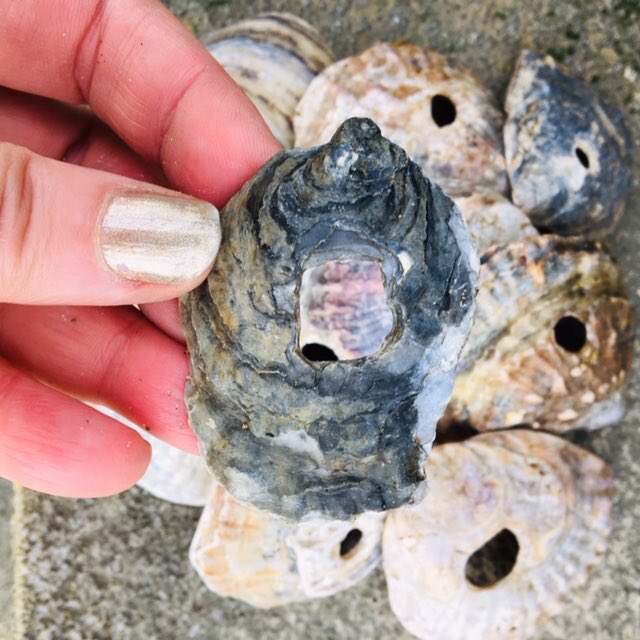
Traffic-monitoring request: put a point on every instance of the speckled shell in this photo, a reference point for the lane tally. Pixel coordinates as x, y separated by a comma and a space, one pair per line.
306, 439
514, 369
245, 553
553, 496
273, 57
176, 476
493, 220
395, 85
568, 152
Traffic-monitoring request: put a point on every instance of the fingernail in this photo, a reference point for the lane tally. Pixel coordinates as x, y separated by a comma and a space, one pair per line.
157, 238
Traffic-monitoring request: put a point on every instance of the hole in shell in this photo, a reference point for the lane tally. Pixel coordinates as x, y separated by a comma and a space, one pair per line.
582, 157
344, 313
451, 430
570, 334
493, 561
350, 542
443, 111
318, 352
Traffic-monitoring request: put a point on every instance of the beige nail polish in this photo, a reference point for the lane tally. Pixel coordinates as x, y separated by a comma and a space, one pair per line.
157, 238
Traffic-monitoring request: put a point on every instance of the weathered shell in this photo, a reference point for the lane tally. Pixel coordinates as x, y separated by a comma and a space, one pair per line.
249, 554
446, 121
551, 339
493, 220
554, 497
303, 438
176, 476
273, 57
568, 152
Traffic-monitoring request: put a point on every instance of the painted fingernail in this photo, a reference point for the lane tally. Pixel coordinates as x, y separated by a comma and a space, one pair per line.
158, 238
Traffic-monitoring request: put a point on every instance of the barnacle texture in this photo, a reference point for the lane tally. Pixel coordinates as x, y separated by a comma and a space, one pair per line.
551, 342
246, 553
568, 152
512, 525
305, 438
446, 121
273, 57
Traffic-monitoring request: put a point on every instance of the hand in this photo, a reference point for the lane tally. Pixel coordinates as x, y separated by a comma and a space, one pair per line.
87, 232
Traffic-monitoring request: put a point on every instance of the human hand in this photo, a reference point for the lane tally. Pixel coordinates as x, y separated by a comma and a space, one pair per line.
85, 232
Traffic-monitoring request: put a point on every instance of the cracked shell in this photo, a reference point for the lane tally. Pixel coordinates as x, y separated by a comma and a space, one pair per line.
273, 57
447, 122
242, 552
302, 438
547, 501
568, 152
551, 342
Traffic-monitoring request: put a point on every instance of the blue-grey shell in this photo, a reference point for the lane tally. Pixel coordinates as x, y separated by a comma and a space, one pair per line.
568, 152
302, 438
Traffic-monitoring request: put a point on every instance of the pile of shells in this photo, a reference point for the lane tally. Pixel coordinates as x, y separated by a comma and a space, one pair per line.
513, 520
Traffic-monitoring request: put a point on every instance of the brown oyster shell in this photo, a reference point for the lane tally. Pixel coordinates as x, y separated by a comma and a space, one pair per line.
554, 497
514, 369
400, 87
245, 553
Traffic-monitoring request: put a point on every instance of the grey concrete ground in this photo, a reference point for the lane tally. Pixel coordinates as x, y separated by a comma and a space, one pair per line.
117, 568
6, 567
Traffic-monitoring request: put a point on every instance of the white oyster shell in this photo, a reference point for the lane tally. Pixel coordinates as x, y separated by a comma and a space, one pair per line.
245, 553
553, 496
493, 220
273, 57
176, 476
446, 121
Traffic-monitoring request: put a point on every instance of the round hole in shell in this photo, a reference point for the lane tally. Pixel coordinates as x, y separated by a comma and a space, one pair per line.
570, 334
443, 111
318, 352
350, 542
582, 156
343, 311
493, 561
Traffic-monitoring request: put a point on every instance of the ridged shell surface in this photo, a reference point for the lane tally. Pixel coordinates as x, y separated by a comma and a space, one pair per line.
306, 439
551, 341
446, 121
554, 497
568, 152
245, 553
273, 57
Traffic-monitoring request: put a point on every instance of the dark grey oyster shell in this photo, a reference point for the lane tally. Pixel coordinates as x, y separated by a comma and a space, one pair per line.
568, 152
303, 438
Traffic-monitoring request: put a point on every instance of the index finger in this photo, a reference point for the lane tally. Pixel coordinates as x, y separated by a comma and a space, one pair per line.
145, 76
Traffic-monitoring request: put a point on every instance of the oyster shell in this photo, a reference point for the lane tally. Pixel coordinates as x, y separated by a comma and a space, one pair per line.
493, 220
273, 57
176, 476
551, 339
542, 505
568, 152
446, 121
303, 438
249, 554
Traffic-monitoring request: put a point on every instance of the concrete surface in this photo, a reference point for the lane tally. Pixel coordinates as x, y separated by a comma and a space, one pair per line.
117, 568
6, 566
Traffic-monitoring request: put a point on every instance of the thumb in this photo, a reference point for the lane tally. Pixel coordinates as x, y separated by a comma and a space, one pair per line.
72, 235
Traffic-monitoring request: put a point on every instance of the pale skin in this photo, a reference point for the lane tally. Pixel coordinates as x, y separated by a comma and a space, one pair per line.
162, 111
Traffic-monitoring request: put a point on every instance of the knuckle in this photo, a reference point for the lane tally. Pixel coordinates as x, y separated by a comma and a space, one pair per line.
17, 191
